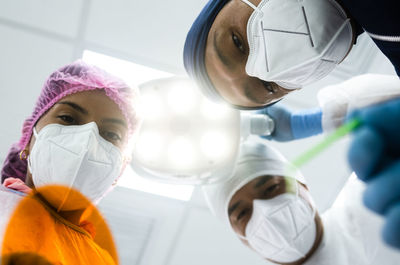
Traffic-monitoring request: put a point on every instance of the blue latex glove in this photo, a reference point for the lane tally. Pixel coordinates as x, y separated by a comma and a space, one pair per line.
293, 125
374, 155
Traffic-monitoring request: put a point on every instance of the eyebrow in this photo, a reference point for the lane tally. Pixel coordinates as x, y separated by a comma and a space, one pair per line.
115, 121
85, 112
233, 208
225, 60
74, 106
262, 181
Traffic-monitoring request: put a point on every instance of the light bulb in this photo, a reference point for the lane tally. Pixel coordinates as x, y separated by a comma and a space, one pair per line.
149, 146
181, 152
213, 111
151, 106
215, 145
181, 98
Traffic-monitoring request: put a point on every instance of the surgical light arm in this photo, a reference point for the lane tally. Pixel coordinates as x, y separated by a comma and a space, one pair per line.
255, 124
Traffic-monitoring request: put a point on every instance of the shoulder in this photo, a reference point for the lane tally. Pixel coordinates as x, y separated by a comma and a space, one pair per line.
8, 203
9, 198
370, 82
361, 90
375, 16
380, 20
360, 224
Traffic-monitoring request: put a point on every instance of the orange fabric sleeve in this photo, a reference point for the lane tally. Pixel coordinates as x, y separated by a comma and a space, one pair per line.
35, 228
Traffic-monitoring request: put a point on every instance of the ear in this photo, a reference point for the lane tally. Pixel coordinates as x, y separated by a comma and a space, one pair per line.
245, 242
127, 159
23, 155
304, 185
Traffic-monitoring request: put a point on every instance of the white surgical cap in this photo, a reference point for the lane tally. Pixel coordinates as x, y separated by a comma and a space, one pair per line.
256, 159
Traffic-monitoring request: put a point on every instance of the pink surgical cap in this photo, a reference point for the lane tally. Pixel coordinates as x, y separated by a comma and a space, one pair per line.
70, 79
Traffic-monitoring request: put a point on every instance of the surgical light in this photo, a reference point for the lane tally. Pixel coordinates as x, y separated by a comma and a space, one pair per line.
185, 138
150, 145
151, 106
181, 152
181, 99
212, 110
215, 145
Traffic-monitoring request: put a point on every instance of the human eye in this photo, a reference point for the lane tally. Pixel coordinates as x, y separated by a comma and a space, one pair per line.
67, 119
269, 86
111, 136
271, 189
238, 43
242, 214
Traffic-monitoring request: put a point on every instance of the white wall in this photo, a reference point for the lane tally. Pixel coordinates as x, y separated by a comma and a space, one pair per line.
39, 36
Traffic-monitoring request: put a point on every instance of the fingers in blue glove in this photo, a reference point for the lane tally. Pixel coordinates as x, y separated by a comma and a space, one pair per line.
385, 118
391, 231
281, 117
365, 152
293, 125
268, 137
384, 189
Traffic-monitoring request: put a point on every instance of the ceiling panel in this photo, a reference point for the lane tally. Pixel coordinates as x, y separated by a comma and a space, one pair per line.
61, 17
159, 219
26, 60
206, 240
130, 227
150, 32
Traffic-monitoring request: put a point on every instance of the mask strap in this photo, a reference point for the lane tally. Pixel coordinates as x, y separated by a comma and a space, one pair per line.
306, 195
241, 237
29, 164
250, 4
29, 157
35, 132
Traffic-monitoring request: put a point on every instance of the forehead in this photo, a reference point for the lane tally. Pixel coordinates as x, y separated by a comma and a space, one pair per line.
224, 68
235, 12
245, 190
96, 102
248, 191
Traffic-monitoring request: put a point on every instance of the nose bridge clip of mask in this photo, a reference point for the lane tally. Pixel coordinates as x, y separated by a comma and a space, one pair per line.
251, 5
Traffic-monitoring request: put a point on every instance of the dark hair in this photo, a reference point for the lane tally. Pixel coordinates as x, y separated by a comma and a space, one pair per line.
13, 166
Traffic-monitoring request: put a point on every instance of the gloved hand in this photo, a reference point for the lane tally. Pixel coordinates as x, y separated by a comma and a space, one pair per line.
374, 155
291, 125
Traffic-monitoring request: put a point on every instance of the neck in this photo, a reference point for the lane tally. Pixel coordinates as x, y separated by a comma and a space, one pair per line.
29, 181
73, 217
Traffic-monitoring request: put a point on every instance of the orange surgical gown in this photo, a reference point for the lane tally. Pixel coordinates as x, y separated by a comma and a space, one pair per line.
35, 227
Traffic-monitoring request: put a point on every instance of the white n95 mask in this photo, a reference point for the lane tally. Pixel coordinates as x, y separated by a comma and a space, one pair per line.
75, 157
282, 229
296, 42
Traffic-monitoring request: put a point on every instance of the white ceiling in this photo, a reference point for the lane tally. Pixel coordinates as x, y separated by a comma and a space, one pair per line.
39, 36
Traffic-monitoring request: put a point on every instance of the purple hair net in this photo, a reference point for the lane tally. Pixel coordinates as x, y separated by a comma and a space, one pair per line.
70, 79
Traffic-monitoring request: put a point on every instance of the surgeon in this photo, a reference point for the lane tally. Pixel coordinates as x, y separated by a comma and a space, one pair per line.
72, 150
252, 53
268, 206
